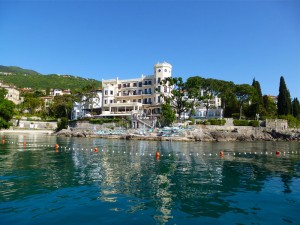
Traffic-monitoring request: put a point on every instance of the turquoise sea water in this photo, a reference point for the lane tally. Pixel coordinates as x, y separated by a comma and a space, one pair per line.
124, 182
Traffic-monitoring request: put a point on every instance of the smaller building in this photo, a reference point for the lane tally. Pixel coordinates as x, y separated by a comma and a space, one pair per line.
13, 94
203, 113
90, 104
57, 92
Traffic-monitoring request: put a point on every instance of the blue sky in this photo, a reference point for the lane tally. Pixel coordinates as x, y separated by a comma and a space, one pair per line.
228, 40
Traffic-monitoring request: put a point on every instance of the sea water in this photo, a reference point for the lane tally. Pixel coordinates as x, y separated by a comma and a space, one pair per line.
104, 181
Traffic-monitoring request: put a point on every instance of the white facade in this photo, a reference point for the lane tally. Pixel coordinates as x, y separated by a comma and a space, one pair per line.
203, 113
138, 94
13, 94
87, 106
56, 92
76, 111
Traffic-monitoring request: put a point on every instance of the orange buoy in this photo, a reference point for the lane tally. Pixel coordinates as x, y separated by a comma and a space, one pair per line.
3, 141
278, 153
95, 149
56, 146
157, 155
24, 143
221, 154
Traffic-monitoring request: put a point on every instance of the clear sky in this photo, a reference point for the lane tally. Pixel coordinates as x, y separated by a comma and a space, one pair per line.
228, 40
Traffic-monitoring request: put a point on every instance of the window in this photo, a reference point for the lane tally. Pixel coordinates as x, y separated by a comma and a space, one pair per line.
140, 84
105, 101
111, 92
119, 86
124, 101
134, 100
158, 99
128, 84
165, 89
140, 100
110, 101
159, 88
105, 92
158, 80
134, 84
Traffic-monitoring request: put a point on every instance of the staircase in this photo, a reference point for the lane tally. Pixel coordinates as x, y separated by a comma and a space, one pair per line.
140, 120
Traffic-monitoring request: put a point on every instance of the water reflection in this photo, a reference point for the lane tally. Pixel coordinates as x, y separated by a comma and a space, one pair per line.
189, 178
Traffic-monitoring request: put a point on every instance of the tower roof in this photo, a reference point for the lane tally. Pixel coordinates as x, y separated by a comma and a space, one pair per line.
162, 64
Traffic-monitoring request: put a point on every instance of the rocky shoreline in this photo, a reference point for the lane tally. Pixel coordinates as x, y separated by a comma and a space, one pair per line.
204, 134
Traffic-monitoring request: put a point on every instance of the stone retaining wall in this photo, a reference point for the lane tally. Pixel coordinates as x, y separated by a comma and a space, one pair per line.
24, 124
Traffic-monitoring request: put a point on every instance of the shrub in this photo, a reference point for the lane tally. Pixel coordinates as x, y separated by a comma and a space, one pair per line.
105, 120
4, 124
62, 124
235, 115
292, 121
217, 122
192, 121
240, 123
254, 123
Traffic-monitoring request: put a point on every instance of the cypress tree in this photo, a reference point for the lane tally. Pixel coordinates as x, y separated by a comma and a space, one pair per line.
296, 108
256, 85
257, 101
284, 99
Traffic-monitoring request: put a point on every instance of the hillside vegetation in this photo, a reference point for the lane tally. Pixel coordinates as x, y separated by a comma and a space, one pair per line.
15, 69
30, 78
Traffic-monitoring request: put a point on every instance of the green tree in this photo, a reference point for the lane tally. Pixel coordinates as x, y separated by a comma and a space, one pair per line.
284, 99
257, 101
296, 108
269, 107
244, 93
168, 115
229, 101
62, 106
7, 108
176, 98
62, 123
193, 87
32, 103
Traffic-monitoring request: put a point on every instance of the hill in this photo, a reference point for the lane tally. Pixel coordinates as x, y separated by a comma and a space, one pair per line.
30, 78
15, 69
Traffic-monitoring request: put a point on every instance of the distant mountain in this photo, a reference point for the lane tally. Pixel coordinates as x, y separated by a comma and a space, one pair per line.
29, 78
15, 69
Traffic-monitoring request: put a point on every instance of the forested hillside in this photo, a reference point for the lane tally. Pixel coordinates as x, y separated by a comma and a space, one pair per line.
29, 78
15, 69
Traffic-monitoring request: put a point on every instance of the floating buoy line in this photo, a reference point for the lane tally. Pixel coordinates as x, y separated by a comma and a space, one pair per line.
157, 154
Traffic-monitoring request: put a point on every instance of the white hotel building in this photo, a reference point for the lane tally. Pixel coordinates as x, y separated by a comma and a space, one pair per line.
141, 98
140, 95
